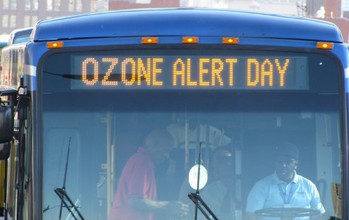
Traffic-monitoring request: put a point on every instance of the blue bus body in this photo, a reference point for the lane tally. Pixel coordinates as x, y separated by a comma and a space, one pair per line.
203, 23
74, 99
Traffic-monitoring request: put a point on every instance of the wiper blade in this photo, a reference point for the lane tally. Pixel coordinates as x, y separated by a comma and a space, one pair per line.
68, 203
62, 194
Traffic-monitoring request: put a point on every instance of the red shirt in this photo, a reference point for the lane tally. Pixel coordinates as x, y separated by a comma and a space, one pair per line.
137, 180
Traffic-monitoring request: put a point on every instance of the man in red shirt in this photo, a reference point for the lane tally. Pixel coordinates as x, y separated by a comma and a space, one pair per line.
136, 195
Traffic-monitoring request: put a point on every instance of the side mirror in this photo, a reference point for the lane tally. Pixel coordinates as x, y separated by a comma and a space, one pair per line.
6, 124
5, 149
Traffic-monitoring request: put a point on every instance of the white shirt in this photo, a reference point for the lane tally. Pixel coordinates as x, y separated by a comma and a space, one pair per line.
271, 192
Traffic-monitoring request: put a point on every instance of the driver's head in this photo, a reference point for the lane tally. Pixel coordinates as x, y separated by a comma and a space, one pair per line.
286, 161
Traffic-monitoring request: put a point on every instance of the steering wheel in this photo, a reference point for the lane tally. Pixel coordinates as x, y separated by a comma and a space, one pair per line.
287, 213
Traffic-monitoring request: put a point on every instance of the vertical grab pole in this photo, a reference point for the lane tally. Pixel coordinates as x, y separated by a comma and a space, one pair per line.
109, 163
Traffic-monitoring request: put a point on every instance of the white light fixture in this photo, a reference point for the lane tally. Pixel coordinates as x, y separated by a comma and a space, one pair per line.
193, 177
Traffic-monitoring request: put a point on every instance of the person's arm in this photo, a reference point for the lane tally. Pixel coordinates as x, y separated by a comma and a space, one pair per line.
316, 203
171, 208
256, 199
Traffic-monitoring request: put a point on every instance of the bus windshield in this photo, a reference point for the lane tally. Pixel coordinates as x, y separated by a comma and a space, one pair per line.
100, 105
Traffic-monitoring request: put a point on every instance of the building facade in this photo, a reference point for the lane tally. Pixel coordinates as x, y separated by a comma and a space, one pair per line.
124, 4
16, 14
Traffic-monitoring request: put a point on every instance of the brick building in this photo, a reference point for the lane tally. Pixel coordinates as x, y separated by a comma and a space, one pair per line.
334, 13
16, 14
119, 4
25, 13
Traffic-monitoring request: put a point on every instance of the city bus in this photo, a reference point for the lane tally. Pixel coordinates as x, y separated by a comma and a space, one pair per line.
3, 40
3, 43
92, 87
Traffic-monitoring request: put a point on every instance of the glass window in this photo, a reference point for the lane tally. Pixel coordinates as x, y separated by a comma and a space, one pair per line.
5, 4
13, 4
13, 21
71, 5
35, 4
56, 5
27, 5
5, 21
49, 5
34, 20
114, 118
79, 5
27, 21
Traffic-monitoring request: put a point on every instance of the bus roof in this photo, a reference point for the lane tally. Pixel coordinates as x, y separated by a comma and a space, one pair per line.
184, 22
20, 35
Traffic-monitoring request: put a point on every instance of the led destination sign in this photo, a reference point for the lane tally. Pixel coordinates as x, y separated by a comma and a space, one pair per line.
191, 72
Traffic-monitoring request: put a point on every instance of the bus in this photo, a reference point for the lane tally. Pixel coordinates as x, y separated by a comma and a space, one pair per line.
3, 40
77, 116
20, 35
3, 43
12, 58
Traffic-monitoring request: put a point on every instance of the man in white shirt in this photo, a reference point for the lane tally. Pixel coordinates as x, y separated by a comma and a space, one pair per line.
284, 188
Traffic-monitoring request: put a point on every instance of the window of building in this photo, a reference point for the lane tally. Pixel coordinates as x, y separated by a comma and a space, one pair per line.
56, 5
345, 5
27, 21
13, 21
75, 5
78, 5
34, 20
13, 4
71, 5
5, 4
27, 5
5, 20
49, 5
35, 4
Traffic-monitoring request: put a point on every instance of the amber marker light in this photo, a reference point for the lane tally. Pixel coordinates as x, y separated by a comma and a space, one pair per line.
230, 40
190, 40
54, 44
149, 40
324, 45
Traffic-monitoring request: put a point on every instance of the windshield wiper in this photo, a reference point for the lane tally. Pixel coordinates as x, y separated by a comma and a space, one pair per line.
68, 203
62, 194
196, 198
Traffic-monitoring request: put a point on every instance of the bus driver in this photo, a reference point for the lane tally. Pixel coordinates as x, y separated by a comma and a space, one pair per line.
285, 188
